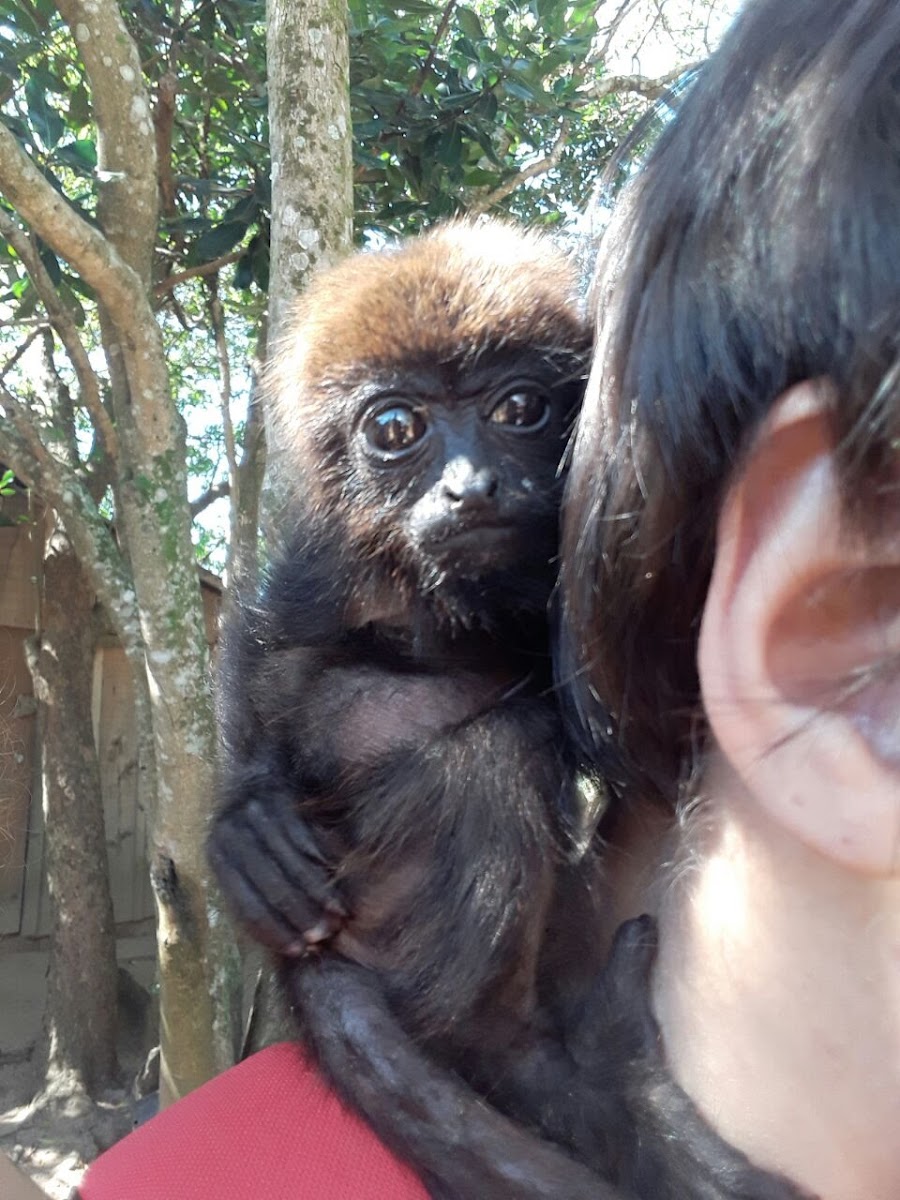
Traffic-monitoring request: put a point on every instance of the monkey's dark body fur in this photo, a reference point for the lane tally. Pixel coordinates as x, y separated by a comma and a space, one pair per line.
388, 713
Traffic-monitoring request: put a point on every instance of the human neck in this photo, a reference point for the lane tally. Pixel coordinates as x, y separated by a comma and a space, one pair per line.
777, 989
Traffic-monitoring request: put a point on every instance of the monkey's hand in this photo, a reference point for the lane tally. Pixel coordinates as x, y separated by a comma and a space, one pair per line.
274, 873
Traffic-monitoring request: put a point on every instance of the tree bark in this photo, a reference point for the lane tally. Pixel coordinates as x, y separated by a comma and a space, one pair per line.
242, 565
81, 1014
308, 52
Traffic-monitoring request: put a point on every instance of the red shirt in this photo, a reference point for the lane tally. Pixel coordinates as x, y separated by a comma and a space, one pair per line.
268, 1129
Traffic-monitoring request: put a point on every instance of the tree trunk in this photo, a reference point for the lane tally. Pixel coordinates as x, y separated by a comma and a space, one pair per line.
81, 985
308, 54
310, 134
242, 566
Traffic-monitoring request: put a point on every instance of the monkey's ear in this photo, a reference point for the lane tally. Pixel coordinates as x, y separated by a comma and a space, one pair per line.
799, 652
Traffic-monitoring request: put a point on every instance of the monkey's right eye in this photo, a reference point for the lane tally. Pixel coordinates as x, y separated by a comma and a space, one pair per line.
395, 430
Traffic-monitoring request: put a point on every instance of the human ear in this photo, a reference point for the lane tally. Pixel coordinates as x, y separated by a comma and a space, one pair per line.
799, 654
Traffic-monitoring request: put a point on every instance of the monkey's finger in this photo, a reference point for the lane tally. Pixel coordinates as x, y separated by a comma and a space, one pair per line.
236, 855
262, 923
265, 903
299, 891
297, 832
279, 813
286, 842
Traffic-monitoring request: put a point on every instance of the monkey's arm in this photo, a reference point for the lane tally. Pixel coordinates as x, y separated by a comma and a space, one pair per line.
271, 870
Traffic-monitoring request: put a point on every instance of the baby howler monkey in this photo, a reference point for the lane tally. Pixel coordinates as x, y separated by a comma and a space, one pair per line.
396, 785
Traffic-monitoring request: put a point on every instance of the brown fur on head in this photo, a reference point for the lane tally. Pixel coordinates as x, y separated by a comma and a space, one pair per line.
446, 298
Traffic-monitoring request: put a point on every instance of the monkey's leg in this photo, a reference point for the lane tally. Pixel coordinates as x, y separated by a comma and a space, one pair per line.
464, 1149
673, 1153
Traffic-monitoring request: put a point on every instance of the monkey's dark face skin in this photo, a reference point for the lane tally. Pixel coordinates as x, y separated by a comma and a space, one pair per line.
450, 478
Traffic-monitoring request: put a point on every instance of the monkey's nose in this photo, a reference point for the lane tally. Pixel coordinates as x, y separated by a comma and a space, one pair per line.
467, 486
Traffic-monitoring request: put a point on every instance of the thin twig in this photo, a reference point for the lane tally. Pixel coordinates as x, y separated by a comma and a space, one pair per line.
539, 167
172, 281
22, 350
425, 68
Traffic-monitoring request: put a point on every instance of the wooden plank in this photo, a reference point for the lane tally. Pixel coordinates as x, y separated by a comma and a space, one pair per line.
17, 747
18, 566
36, 899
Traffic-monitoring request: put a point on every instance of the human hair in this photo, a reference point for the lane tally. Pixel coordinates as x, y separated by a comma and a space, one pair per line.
759, 246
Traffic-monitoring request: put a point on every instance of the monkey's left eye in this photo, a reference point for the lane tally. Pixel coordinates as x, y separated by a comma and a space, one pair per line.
523, 410
394, 430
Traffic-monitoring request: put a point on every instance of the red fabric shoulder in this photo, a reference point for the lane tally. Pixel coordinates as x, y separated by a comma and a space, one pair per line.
268, 1129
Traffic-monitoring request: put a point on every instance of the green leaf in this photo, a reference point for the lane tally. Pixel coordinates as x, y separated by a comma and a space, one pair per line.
418, 8
80, 155
243, 272
50, 263
244, 211
47, 122
216, 242
470, 25
449, 147
477, 177
521, 90
72, 303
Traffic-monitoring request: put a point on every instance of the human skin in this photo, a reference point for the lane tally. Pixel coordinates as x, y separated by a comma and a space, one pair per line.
777, 985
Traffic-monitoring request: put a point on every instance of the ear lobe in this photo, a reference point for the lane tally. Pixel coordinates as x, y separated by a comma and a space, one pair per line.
799, 654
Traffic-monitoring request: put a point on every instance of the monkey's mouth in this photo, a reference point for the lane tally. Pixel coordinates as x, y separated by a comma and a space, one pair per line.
478, 546
472, 535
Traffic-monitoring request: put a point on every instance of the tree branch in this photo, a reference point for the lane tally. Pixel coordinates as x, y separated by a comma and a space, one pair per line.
217, 320
242, 563
612, 29
118, 287
210, 268
539, 167
14, 453
163, 124
422, 73
88, 383
89, 532
641, 85
58, 432
21, 350
210, 496
126, 168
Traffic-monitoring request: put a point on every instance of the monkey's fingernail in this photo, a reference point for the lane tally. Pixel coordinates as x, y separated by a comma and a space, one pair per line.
295, 950
319, 933
335, 908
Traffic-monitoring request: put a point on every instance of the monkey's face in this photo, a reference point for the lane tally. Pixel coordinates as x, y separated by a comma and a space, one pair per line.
452, 476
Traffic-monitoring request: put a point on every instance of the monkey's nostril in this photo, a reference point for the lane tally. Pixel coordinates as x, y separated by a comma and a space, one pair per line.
471, 487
